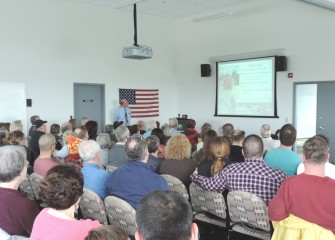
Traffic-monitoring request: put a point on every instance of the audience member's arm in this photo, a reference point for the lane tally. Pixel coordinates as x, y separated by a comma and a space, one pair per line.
277, 206
216, 183
63, 153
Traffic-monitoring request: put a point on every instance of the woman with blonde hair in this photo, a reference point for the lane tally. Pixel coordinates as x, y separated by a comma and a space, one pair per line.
220, 149
177, 161
16, 126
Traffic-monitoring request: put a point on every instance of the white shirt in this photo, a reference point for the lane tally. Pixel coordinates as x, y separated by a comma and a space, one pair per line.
329, 169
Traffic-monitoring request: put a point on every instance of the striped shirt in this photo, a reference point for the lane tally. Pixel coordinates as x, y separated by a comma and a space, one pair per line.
252, 176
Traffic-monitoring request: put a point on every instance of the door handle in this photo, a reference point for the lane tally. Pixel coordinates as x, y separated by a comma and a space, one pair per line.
321, 128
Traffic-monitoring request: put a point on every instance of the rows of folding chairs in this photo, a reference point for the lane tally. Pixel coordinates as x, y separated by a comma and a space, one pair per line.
241, 212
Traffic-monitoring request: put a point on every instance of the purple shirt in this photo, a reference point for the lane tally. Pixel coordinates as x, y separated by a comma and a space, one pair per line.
251, 176
17, 212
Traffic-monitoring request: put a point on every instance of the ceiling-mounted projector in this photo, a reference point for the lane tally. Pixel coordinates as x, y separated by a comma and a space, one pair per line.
137, 52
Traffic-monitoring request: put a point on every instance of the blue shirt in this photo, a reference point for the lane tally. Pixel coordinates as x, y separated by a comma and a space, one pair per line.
124, 115
283, 159
133, 181
95, 179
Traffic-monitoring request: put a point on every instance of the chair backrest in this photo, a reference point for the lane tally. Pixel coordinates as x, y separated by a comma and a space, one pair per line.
207, 201
176, 185
248, 208
35, 180
93, 207
111, 168
121, 214
25, 186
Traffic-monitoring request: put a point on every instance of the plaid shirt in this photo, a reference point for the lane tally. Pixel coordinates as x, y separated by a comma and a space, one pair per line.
250, 176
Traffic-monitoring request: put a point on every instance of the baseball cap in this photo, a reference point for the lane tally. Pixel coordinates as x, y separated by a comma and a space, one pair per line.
38, 123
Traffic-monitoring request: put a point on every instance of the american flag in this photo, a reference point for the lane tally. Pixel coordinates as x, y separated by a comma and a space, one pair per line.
142, 102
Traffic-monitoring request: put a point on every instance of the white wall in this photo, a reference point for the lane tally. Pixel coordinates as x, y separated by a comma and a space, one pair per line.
303, 30
50, 44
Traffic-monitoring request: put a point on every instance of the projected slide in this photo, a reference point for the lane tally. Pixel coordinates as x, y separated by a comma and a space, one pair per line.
246, 87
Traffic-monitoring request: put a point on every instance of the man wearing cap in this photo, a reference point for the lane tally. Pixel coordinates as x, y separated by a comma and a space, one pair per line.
34, 148
123, 113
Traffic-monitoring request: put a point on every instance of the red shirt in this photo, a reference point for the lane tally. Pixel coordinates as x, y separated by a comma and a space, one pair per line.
42, 165
17, 212
308, 197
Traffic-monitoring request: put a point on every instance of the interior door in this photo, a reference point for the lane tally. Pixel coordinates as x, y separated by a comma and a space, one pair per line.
89, 101
326, 114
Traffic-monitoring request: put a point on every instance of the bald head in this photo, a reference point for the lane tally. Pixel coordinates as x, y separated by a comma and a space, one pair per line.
253, 147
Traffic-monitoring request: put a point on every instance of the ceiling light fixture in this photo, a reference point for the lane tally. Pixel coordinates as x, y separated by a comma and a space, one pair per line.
330, 4
125, 3
212, 17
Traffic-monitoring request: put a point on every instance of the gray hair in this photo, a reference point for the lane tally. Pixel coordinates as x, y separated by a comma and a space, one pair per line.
88, 150
103, 140
153, 143
166, 130
151, 125
12, 162
46, 141
121, 133
173, 122
266, 130
16, 126
109, 128
66, 126
136, 148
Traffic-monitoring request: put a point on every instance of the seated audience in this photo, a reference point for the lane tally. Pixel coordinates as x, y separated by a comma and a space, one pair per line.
70, 150
92, 129
84, 120
227, 130
191, 133
165, 215
94, 178
178, 162
329, 168
61, 190
17, 212
105, 143
283, 157
16, 138
237, 139
141, 125
117, 155
166, 130
133, 129
150, 125
55, 130
204, 129
309, 195
162, 140
73, 123
173, 124
16, 126
107, 232
205, 154
153, 148
268, 142
44, 162
3, 139
135, 179
252, 176
219, 147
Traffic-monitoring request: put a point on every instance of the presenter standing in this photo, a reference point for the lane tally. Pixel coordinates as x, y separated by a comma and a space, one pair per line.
123, 113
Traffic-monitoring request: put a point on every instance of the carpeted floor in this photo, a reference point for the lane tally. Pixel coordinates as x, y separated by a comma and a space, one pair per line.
208, 232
